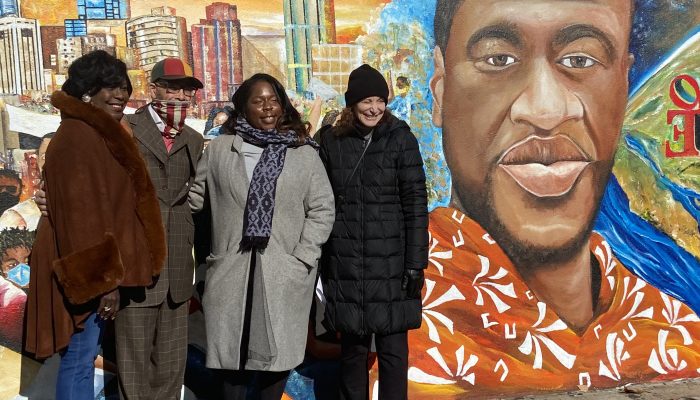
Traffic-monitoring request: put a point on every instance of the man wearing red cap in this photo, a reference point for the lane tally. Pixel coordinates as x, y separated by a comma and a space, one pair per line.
151, 331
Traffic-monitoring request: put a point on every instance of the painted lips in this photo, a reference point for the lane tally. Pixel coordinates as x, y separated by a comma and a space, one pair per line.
545, 167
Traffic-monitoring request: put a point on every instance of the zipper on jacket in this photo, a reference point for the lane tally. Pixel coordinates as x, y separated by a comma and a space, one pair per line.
362, 239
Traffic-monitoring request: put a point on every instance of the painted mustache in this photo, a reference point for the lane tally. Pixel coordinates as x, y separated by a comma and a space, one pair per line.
545, 167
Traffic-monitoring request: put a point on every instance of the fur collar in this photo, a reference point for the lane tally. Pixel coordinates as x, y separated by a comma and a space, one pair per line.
124, 149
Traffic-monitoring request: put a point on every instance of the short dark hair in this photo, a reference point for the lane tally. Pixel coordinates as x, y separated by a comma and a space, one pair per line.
94, 71
445, 11
290, 120
15, 237
12, 174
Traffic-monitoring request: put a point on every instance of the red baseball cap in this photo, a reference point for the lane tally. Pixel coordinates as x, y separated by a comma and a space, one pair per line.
171, 69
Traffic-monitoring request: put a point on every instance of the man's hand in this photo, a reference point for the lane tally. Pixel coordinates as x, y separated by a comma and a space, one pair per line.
40, 200
412, 283
109, 305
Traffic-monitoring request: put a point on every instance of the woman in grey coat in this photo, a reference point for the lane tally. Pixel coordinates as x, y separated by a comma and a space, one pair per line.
272, 208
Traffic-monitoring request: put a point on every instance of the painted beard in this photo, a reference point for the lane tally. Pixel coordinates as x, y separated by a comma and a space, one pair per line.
524, 255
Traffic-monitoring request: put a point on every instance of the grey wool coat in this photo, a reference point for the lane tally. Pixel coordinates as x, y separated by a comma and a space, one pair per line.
286, 270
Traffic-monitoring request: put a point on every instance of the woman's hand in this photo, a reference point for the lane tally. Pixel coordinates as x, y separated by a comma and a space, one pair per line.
109, 305
40, 200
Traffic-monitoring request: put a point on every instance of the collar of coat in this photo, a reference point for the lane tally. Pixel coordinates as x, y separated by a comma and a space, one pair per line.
124, 149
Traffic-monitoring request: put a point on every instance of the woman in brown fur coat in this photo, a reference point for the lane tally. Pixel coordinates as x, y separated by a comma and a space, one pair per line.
104, 229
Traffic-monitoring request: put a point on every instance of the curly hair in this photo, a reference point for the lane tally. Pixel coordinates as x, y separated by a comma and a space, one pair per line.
94, 71
15, 237
290, 119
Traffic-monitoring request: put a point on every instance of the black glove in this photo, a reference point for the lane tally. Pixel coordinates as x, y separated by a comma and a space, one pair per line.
412, 283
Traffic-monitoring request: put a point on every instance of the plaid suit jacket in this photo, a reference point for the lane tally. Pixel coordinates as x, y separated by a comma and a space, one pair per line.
172, 175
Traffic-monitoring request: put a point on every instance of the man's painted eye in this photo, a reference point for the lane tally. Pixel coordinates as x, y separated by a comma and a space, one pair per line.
501, 60
578, 62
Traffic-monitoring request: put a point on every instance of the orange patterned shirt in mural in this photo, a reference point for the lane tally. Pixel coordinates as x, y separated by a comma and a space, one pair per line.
485, 332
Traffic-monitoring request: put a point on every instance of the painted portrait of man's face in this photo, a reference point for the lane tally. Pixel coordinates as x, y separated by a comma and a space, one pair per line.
531, 98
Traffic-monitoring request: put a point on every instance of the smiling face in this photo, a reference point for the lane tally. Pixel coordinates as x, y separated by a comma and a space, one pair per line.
112, 100
531, 97
369, 111
263, 108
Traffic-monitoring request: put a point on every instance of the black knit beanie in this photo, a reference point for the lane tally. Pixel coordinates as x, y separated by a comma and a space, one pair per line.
365, 82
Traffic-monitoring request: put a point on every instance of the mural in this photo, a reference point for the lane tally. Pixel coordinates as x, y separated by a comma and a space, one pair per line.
562, 173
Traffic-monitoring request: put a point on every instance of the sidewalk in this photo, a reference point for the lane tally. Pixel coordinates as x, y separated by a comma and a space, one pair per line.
684, 389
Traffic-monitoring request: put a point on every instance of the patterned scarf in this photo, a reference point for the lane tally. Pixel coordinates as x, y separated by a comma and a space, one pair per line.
260, 205
173, 114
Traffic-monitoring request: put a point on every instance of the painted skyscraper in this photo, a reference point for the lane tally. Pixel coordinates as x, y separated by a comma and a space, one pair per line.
95, 9
216, 49
9, 8
21, 60
157, 36
306, 23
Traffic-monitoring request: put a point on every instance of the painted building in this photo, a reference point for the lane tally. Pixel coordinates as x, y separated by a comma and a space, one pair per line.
67, 50
49, 51
216, 47
264, 53
305, 24
70, 48
9, 8
102, 9
75, 27
116, 29
95, 9
99, 42
332, 63
21, 63
154, 37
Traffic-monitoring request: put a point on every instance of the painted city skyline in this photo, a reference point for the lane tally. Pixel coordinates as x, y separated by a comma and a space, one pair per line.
258, 17
224, 42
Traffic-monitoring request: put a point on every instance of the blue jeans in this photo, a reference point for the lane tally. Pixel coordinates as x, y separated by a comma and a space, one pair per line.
76, 374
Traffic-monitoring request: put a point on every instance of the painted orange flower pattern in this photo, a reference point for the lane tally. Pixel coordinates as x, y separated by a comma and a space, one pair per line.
485, 332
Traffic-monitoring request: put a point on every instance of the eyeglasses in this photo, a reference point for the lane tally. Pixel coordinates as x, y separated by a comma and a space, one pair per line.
175, 90
11, 189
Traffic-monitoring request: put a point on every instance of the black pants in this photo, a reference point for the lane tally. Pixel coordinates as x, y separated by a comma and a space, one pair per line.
265, 384
392, 353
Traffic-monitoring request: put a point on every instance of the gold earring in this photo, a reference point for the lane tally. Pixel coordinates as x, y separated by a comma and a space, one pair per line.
85, 98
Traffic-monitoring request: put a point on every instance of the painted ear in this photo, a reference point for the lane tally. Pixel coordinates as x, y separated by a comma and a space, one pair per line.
437, 86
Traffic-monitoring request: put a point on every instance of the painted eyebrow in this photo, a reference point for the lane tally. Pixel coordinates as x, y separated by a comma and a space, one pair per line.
575, 32
502, 30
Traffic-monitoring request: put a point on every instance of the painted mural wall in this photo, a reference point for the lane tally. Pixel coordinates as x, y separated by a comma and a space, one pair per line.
560, 140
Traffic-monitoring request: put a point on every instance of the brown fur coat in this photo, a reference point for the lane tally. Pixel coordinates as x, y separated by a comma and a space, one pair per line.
104, 230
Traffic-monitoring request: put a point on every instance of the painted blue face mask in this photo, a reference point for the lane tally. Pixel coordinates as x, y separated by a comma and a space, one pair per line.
215, 131
19, 275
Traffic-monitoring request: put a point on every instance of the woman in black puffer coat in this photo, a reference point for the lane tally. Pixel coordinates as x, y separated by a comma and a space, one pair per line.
372, 265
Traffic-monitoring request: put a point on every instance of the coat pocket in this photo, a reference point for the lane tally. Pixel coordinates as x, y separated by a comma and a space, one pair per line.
296, 269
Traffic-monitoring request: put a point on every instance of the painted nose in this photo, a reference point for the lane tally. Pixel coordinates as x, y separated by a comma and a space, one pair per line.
546, 102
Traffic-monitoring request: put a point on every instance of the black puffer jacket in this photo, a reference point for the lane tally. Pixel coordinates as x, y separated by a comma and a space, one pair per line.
381, 228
